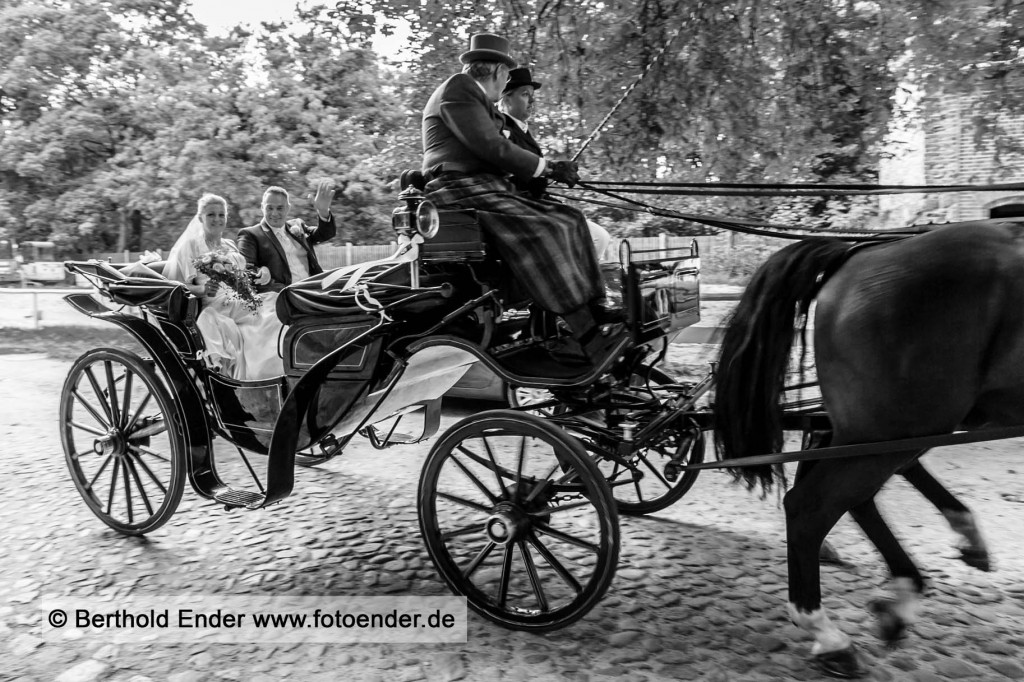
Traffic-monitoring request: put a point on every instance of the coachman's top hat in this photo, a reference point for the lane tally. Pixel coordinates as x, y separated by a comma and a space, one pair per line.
487, 47
517, 78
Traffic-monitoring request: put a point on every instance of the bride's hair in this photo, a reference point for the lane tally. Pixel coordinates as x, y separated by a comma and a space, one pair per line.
191, 243
207, 199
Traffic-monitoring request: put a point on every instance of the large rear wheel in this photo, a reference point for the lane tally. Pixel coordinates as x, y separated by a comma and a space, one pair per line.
125, 458
518, 518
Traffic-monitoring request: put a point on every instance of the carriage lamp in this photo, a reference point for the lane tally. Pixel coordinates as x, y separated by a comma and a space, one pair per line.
428, 220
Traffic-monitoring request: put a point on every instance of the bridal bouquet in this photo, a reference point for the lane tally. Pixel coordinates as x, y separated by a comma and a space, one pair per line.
221, 268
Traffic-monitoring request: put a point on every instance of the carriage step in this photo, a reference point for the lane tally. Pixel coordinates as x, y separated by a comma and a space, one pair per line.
232, 498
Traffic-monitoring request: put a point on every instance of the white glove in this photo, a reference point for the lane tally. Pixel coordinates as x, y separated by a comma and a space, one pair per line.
263, 276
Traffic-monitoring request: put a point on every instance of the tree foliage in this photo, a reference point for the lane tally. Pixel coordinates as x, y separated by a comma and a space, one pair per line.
131, 108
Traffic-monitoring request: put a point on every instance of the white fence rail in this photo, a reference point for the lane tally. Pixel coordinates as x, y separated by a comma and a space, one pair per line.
27, 308
43, 306
334, 256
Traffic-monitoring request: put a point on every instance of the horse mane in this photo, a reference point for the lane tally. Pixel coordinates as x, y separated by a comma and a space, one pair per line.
756, 350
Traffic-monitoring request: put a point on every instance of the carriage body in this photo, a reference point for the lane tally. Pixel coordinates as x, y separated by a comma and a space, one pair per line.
382, 342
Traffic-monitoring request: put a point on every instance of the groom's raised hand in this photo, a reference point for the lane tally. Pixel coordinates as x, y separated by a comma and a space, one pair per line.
324, 197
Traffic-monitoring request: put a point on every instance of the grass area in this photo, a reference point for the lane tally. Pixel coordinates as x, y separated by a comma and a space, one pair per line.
64, 343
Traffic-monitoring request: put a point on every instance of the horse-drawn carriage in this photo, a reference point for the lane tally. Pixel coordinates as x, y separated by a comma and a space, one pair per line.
518, 508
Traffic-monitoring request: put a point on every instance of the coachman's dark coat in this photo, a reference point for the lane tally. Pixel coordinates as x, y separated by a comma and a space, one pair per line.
546, 244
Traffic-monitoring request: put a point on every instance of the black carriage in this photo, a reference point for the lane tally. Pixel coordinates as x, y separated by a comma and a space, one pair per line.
518, 508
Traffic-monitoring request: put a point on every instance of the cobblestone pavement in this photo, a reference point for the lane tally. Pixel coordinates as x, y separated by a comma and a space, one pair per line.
699, 594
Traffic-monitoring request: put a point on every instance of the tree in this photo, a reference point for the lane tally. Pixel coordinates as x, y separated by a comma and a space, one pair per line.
63, 116
117, 116
735, 90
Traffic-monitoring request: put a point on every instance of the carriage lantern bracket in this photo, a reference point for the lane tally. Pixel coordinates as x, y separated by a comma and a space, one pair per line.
419, 215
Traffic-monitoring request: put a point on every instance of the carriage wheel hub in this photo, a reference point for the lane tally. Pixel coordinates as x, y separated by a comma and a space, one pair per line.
111, 444
506, 524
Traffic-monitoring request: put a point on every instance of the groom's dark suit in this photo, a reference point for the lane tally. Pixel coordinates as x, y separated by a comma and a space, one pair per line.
261, 248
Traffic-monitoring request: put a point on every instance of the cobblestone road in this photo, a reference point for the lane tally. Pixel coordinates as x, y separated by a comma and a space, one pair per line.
699, 594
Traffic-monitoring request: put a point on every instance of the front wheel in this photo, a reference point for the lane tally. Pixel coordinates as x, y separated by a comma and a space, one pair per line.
125, 457
651, 478
517, 518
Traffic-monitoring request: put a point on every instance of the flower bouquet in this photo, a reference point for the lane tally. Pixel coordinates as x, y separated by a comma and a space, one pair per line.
223, 269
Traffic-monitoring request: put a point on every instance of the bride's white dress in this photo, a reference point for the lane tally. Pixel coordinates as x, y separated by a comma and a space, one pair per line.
240, 343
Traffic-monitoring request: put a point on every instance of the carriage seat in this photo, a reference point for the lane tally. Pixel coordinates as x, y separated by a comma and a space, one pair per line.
458, 238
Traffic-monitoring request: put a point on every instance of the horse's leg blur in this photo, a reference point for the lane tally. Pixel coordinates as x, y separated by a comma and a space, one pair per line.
821, 439
823, 492
900, 611
973, 550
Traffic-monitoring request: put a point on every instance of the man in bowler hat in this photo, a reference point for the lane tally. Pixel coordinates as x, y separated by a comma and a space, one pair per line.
471, 164
516, 104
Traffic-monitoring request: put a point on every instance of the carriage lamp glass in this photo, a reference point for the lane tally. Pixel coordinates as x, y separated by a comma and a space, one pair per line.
427, 219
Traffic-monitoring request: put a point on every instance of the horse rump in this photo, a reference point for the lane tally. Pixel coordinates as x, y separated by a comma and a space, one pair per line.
756, 349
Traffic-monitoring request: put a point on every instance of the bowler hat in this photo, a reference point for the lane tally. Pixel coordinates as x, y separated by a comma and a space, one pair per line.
518, 78
487, 47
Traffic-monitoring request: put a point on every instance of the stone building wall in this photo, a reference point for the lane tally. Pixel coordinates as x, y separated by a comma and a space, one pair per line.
945, 149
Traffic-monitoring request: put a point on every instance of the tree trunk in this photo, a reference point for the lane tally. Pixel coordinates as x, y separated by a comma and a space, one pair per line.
122, 231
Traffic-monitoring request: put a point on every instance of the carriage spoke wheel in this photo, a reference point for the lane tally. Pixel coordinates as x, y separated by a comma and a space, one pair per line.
125, 460
518, 518
521, 396
651, 479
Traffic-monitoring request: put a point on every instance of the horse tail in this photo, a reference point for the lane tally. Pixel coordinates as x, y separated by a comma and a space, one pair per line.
756, 350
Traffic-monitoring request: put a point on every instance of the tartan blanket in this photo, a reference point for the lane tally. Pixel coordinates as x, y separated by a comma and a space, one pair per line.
547, 245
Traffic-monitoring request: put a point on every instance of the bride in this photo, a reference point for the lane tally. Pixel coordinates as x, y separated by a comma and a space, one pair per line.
239, 343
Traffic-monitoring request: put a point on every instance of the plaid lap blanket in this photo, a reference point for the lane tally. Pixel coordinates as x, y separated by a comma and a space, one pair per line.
546, 244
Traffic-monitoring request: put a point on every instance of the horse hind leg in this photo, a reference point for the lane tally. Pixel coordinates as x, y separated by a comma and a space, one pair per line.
813, 506
812, 439
821, 494
972, 547
897, 613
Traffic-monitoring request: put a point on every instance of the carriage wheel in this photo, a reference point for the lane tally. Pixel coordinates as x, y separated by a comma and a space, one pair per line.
651, 479
520, 396
518, 518
124, 457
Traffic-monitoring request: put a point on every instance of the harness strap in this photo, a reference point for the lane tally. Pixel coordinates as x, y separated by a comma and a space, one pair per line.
862, 449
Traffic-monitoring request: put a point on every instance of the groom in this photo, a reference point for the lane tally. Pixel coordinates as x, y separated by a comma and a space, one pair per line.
281, 251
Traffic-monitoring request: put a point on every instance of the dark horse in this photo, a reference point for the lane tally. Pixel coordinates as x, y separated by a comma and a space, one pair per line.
915, 337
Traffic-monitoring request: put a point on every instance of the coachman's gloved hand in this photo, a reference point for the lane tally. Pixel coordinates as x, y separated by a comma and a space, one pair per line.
564, 171
537, 187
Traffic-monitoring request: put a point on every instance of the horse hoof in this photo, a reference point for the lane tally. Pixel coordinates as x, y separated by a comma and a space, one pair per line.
891, 628
976, 558
843, 664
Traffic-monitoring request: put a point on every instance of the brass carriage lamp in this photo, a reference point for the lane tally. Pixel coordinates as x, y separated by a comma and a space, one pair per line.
418, 216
